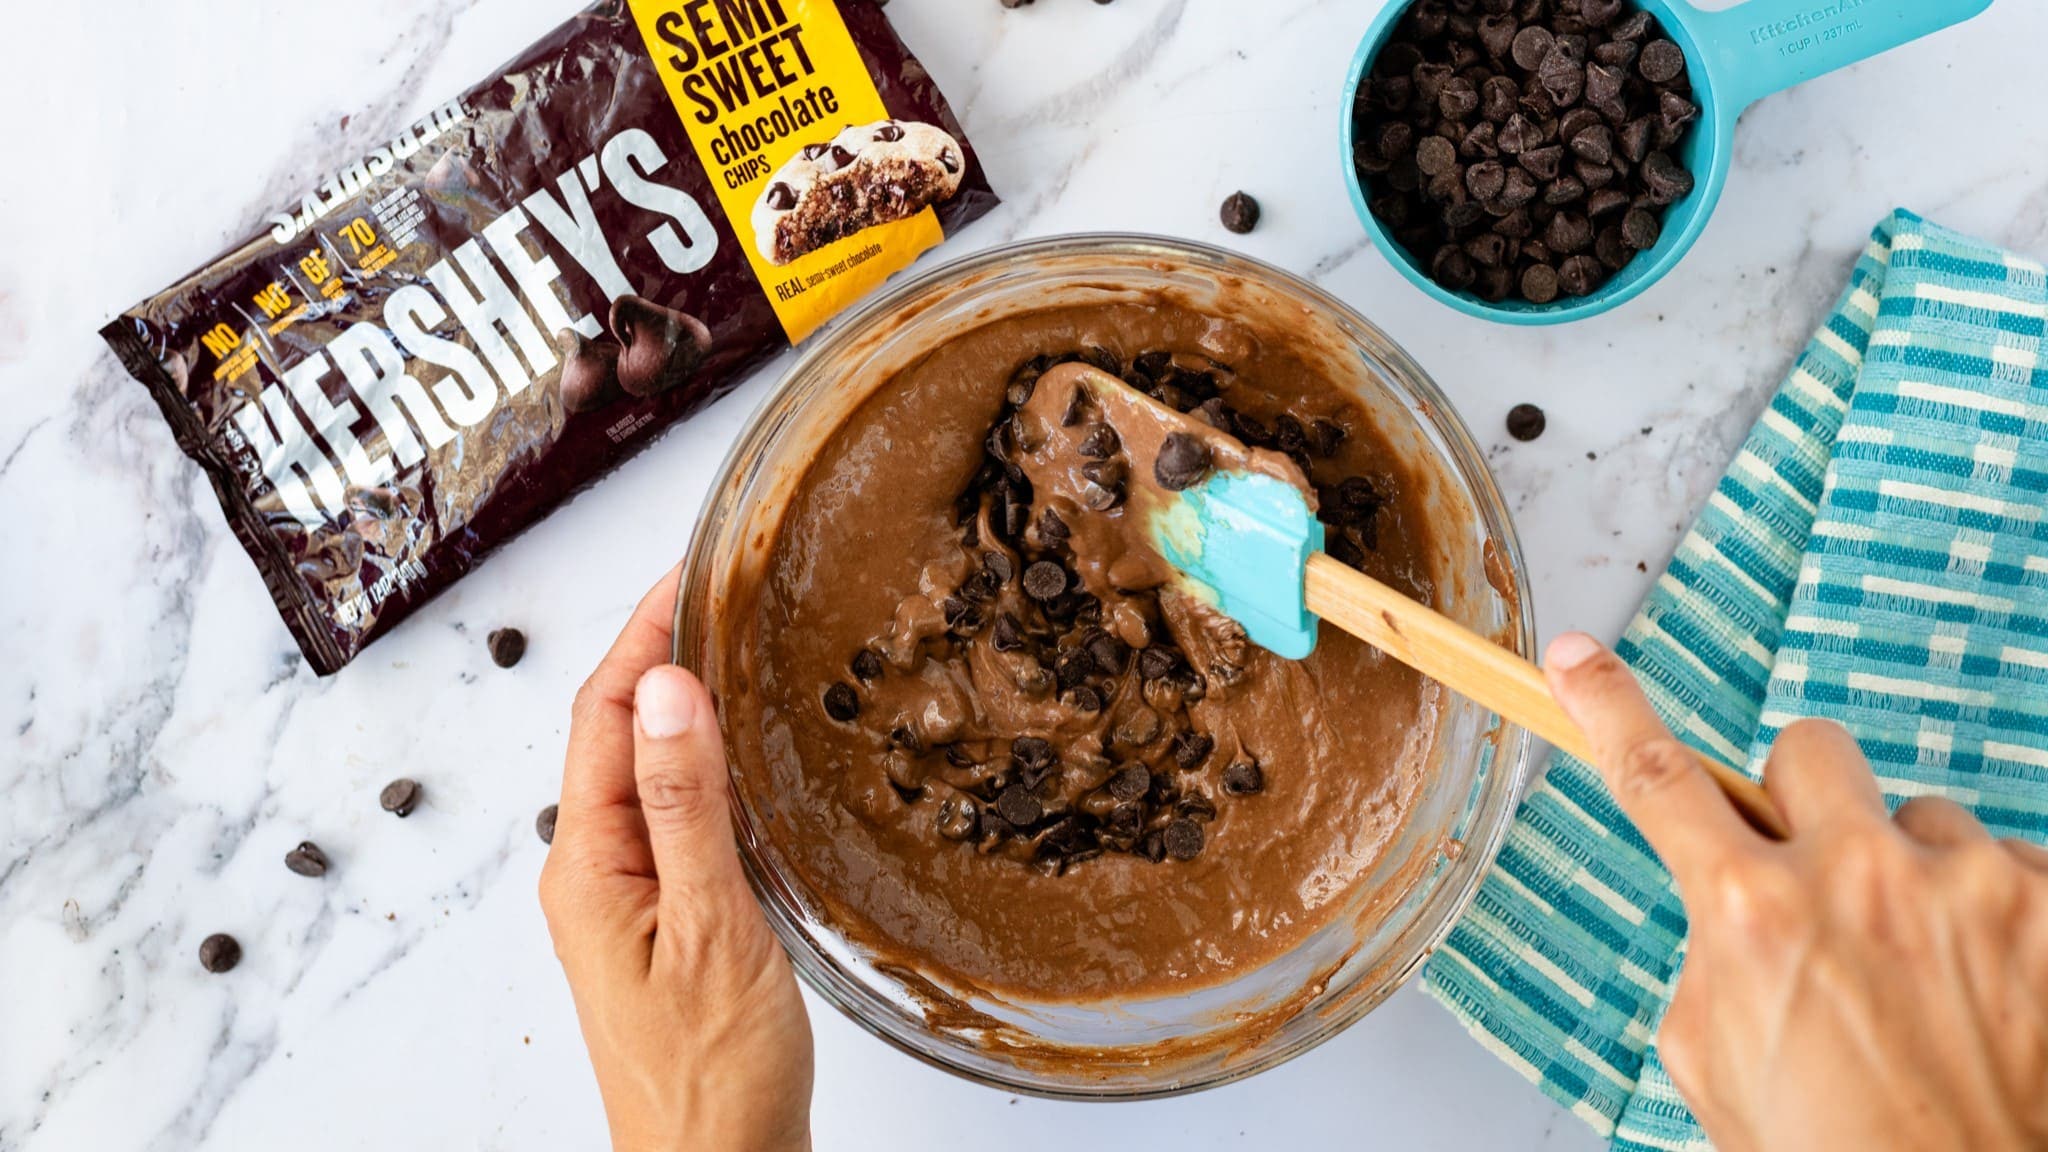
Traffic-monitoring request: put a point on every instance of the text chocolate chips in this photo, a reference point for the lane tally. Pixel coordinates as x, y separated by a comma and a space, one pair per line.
456, 332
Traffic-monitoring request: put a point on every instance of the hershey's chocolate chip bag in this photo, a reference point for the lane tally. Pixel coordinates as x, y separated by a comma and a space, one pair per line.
451, 336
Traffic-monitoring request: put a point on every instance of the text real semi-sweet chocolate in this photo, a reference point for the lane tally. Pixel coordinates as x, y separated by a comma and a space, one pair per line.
451, 336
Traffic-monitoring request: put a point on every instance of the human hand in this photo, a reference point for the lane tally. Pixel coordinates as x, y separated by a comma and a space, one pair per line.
1872, 983
688, 1005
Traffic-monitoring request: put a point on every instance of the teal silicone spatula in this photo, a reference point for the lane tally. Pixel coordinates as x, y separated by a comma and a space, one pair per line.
1249, 543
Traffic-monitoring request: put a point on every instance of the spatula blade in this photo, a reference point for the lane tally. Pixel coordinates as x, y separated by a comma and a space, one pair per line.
1242, 541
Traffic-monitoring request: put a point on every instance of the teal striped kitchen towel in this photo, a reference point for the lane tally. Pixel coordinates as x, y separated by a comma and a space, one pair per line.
1877, 554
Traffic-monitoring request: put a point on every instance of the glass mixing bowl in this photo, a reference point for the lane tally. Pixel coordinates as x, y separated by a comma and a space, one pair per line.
1477, 766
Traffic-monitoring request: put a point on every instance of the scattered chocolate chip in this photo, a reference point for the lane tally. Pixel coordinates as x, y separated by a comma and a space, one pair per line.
544, 823
1183, 839
219, 953
401, 796
1183, 461
1243, 778
507, 645
842, 703
1045, 580
307, 859
1240, 213
1526, 422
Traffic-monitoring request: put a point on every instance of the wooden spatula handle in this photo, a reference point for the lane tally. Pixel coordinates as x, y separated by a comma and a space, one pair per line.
1482, 671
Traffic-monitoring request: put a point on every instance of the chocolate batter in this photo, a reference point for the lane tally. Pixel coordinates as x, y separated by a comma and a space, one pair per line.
993, 738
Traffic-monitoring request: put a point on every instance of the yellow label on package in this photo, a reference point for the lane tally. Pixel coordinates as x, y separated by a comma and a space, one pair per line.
828, 193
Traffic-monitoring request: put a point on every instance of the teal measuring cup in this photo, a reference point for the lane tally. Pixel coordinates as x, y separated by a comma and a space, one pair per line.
1735, 57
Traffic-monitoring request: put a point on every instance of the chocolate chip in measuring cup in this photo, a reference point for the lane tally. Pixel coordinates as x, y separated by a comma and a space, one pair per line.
1660, 61
1182, 463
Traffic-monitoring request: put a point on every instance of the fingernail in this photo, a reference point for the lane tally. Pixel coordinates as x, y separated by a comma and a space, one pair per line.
663, 703
1570, 650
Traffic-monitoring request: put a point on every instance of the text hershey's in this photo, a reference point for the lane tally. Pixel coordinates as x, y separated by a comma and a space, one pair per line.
298, 433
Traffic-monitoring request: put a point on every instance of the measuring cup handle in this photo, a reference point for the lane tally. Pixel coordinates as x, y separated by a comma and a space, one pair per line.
1765, 46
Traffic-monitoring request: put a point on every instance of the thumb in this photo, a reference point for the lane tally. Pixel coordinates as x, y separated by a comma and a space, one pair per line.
679, 770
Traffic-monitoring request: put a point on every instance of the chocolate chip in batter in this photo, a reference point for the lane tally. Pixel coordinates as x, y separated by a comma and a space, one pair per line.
1085, 700
1183, 461
1131, 783
1045, 580
507, 645
1157, 662
1153, 846
400, 797
307, 860
219, 953
959, 818
1008, 635
1109, 653
1100, 444
866, 666
1243, 778
841, 702
1240, 213
1191, 749
1018, 806
1054, 532
1183, 839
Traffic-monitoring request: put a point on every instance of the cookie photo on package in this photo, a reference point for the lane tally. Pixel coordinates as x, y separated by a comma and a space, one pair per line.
439, 344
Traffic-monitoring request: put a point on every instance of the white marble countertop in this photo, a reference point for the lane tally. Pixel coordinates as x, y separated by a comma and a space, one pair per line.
162, 745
